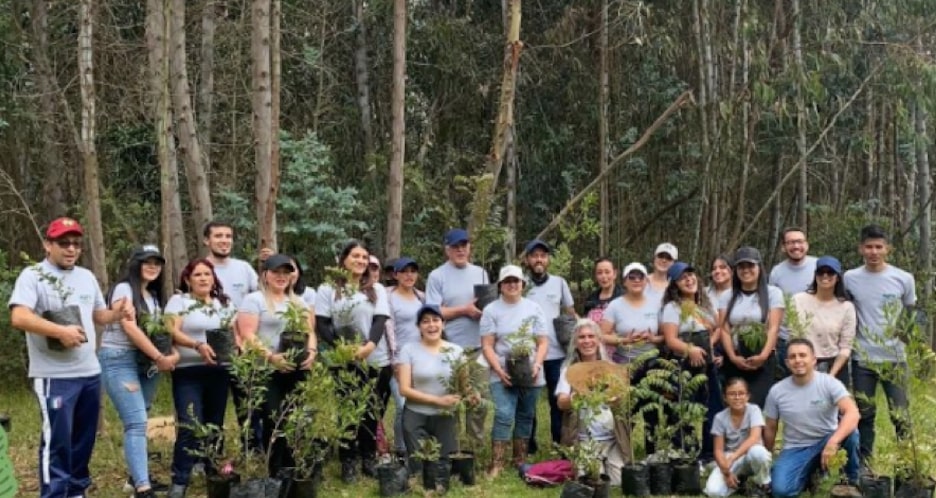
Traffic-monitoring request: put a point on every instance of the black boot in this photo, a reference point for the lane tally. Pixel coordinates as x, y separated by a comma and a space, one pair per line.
149, 493
369, 467
349, 471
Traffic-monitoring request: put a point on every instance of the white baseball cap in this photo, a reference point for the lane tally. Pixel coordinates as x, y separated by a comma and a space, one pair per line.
667, 248
634, 267
510, 271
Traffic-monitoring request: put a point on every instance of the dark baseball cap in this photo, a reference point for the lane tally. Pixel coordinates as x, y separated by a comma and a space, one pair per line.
401, 264
677, 269
456, 236
747, 254
278, 261
533, 244
831, 263
428, 308
147, 252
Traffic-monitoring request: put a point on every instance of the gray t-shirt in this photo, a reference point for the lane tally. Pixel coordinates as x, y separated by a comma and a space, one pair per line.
734, 436
237, 279
701, 319
792, 279
450, 286
270, 322
871, 293
195, 322
654, 294
114, 335
628, 320
358, 312
37, 294
404, 311
500, 319
308, 297
552, 297
747, 308
428, 371
809, 413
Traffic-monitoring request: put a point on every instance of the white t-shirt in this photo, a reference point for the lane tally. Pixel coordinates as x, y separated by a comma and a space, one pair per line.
600, 425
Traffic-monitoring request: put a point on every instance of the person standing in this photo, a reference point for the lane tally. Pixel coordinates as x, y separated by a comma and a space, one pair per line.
67, 379
451, 287
819, 416
880, 292
238, 279
405, 302
608, 290
792, 275
664, 257
552, 294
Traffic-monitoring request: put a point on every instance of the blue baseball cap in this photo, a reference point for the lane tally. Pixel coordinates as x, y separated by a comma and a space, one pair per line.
428, 308
831, 263
456, 236
678, 269
533, 244
401, 264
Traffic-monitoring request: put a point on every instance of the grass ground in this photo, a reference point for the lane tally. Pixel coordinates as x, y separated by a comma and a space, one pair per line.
109, 470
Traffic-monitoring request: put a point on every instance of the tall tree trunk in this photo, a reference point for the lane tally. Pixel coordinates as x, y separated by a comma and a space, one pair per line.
701, 236
206, 77
53, 200
803, 190
171, 223
510, 158
924, 181
362, 79
194, 159
487, 188
89, 159
398, 138
262, 103
603, 121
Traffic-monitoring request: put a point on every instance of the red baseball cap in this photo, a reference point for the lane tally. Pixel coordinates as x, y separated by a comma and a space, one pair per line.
63, 226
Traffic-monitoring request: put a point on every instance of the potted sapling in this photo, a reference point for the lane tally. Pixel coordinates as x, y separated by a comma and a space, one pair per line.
630, 407
220, 475
466, 381
519, 360
64, 313
345, 287
294, 340
222, 339
587, 460
435, 471
158, 330
689, 415
752, 337
603, 390
662, 397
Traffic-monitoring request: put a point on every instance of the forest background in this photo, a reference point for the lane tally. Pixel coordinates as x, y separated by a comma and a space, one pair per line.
604, 126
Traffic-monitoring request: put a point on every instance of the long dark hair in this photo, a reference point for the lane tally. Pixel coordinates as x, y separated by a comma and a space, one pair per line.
217, 291
673, 295
133, 278
763, 296
366, 286
299, 287
840, 293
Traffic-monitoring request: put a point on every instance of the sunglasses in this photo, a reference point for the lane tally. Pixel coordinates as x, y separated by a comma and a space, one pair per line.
635, 276
825, 272
65, 244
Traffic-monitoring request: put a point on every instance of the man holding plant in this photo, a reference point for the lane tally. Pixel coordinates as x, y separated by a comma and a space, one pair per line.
66, 378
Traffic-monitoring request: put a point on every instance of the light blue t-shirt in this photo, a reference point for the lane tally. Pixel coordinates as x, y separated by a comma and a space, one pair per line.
871, 293
237, 279
405, 328
809, 413
429, 369
196, 321
501, 319
735, 436
450, 286
36, 293
114, 335
358, 312
270, 324
628, 320
792, 279
552, 296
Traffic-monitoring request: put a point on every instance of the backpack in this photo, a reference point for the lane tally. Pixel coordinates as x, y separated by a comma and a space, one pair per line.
548, 473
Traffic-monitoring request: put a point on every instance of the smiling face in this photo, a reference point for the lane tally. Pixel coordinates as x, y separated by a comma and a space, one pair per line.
356, 261
826, 278
64, 251
430, 327
220, 241
604, 274
874, 251
688, 284
201, 281
407, 277
795, 245
150, 270
459, 253
587, 343
511, 288
748, 274
662, 262
278, 279
737, 396
721, 273
538, 261
801, 361
635, 282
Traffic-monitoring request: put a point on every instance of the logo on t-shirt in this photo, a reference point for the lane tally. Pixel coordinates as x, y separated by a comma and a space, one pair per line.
85, 298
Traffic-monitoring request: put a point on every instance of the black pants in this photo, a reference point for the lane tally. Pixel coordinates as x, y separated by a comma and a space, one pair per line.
255, 440
844, 375
280, 386
551, 370
759, 381
419, 426
865, 383
364, 444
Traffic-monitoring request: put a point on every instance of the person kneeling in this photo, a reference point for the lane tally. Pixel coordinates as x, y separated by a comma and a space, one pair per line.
739, 449
599, 426
819, 417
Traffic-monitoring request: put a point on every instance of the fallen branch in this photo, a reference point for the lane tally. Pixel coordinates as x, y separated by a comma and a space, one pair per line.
679, 103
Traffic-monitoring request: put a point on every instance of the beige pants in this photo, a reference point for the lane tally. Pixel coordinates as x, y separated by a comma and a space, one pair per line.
613, 460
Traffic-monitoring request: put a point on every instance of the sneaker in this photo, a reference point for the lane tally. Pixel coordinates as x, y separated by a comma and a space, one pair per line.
155, 485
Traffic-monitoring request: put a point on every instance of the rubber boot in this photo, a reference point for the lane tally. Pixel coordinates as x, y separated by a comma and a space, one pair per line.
498, 458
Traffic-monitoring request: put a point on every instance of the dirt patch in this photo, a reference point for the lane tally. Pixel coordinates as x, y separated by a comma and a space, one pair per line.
161, 428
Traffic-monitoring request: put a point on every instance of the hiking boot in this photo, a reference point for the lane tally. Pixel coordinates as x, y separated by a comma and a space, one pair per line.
349, 473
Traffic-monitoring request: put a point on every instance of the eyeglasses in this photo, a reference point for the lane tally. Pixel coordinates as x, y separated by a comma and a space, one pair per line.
736, 395
65, 244
635, 276
794, 242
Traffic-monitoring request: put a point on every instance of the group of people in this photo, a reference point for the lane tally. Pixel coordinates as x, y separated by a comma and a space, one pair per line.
734, 330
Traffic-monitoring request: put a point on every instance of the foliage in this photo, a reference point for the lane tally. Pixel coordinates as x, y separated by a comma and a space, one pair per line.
585, 457
57, 284
296, 316
156, 324
522, 342
252, 372
467, 380
342, 353
429, 449
798, 323
630, 407
13, 355
671, 388
752, 335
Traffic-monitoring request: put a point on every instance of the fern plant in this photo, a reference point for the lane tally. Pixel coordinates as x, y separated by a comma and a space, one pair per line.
629, 407
797, 323
467, 380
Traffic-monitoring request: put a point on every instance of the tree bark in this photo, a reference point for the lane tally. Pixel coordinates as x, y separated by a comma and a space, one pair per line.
89, 159
487, 188
195, 173
206, 78
803, 189
398, 138
267, 182
53, 200
510, 157
362, 79
172, 226
603, 122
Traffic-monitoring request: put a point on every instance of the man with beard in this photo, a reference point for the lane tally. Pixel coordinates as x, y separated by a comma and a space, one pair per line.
792, 275
819, 417
553, 295
63, 367
237, 279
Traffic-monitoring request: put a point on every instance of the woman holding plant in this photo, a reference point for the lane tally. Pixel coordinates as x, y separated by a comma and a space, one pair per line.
129, 383
750, 320
596, 423
199, 384
827, 318
514, 344
263, 319
425, 370
351, 312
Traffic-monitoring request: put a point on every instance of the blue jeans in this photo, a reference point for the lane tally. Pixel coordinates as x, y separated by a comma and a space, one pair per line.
69, 409
132, 392
199, 394
793, 467
513, 407
399, 445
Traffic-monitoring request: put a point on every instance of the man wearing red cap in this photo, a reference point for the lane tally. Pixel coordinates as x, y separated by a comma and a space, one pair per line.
57, 304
